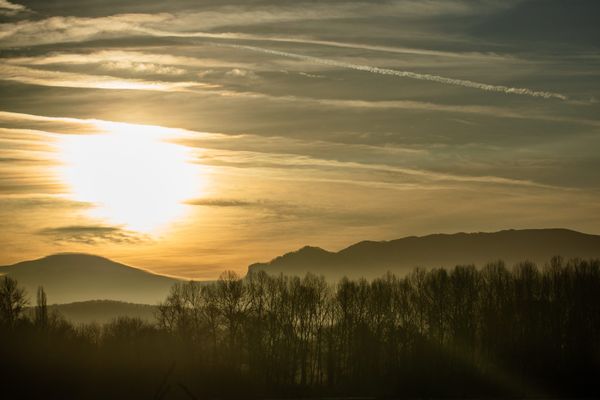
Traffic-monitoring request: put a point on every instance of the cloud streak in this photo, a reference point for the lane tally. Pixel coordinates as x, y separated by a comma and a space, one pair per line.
407, 74
63, 29
263, 162
221, 203
10, 9
269, 155
91, 234
329, 43
73, 29
120, 57
33, 76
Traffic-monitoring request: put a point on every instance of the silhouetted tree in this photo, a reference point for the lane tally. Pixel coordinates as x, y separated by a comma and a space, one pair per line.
12, 301
460, 332
41, 309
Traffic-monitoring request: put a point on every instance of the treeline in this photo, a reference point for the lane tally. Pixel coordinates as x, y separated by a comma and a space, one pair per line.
464, 332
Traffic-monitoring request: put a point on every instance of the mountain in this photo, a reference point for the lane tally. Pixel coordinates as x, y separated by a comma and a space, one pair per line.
372, 259
100, 311
73, 277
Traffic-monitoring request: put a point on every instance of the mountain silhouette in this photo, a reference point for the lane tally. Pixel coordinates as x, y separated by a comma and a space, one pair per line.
371, 259
75, 277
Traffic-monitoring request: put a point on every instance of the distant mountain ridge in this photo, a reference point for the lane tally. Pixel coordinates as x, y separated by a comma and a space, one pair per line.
371, 259
76, 277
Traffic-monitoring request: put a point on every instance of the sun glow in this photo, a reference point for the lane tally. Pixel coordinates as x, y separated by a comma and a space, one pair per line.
134, 177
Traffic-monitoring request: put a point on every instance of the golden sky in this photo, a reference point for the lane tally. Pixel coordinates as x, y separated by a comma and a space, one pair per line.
194, 137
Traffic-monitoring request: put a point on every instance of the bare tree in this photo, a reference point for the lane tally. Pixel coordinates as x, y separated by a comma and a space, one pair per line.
12, 301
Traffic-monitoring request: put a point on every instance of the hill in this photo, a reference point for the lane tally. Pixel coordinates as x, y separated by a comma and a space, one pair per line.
75, 277
100, 311
372, 259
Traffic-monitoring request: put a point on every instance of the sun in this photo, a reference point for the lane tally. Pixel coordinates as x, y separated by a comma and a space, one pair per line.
132, 174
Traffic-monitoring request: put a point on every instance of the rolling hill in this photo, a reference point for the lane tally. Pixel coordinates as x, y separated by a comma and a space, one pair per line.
100, 311
372, 259
76, 277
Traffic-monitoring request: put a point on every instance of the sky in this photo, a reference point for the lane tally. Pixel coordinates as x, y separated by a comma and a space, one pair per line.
193, 137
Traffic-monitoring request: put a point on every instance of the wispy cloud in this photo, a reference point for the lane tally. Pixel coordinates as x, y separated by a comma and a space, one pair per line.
380, 48
118, 58
63, 29
9, 9
34, 76
265, 209
408, 74
266, 155
473, 109
487, 56
91, 234
68, 29
233, 16
16, 202
394, 175
208, 202
73, 29
491, 111
42, 124
28, 182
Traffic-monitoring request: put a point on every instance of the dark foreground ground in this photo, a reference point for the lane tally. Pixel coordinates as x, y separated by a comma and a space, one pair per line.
494, 332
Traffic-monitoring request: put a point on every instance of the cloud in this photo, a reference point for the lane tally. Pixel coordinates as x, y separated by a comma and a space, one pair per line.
276, 166
26, 163
385, 49
143, 68
116, 59
9, 9
491, 111
73, 29
18, 69
91, 234
67, 29
34, 76
241, 73
486, 56
236, 16
41, 125
261, 208
64, 29
272, 156
222, 203
269, 205
41, 202
408, 74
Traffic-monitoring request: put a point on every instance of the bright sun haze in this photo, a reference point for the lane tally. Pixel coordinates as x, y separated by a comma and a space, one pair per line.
131, 174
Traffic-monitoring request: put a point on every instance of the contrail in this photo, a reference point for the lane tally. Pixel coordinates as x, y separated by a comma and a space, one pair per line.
408, 74
283, 39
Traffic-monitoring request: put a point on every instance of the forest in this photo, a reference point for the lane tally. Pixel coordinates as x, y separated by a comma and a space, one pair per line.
493, 331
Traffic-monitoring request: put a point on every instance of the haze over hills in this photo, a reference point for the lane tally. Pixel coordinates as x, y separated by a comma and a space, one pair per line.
74, 277
372, 259
99, 311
